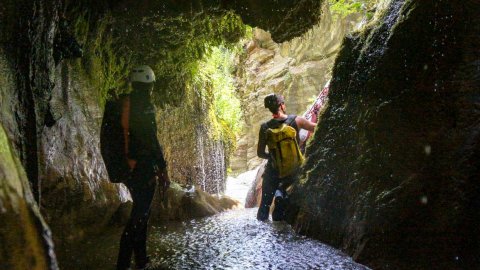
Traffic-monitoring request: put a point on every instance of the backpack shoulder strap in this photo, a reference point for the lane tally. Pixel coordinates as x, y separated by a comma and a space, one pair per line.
125, 122
290, 120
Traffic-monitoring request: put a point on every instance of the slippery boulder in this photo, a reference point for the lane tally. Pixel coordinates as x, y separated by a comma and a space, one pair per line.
392, 171
179, 204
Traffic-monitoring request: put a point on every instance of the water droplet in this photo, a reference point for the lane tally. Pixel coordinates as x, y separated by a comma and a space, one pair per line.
428, 150
424, 199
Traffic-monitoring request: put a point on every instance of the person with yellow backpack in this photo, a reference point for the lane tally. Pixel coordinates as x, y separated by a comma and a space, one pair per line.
280, 136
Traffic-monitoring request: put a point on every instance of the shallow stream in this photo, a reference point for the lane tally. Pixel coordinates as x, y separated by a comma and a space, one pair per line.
230, 240
236, 240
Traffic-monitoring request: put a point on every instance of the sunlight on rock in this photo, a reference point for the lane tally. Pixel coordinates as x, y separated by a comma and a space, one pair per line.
237, 187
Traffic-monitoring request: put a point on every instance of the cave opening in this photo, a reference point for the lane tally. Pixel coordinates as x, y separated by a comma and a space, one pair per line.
391, 171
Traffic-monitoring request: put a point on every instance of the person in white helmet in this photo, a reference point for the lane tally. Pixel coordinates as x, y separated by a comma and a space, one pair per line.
145, 161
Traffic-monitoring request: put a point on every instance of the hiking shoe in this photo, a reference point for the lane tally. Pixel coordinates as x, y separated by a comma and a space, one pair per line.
278, 194
278, 213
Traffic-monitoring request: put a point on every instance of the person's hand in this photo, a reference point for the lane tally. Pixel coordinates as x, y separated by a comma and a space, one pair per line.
162, 176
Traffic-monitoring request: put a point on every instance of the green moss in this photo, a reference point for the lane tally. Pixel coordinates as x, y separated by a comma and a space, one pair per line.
343, 8
103, 62
214, 79
192, 56
4, 148
217, 69
188, 42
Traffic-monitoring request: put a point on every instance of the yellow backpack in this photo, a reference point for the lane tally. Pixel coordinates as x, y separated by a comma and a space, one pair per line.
282, 145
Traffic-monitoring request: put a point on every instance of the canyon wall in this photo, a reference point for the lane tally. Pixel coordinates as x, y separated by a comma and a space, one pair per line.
297, 69
392, 171
26, 238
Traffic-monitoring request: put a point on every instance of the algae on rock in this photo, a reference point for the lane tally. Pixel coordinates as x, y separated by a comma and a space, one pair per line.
25, 237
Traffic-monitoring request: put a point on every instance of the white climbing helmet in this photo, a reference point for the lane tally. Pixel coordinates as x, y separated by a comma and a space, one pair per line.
142, 74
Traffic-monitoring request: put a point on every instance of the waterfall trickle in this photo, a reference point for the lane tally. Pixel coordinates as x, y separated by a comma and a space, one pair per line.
201, 166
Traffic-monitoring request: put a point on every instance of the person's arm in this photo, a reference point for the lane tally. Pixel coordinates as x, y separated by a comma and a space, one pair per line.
262, 144
160, 162
303, 123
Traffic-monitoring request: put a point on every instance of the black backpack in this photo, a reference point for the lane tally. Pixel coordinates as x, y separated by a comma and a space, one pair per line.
112, 142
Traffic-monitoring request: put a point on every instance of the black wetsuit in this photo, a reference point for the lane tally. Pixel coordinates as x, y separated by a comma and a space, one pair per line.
143, 147
271, 180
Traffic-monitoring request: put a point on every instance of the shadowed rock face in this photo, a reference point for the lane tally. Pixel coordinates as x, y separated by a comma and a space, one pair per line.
392, 172
284, 19
61, 157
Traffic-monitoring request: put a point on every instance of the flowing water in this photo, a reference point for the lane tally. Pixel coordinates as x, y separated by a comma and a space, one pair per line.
230, 240
236, 240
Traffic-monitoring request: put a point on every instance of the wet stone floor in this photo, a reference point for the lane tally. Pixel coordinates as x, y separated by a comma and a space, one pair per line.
230, 240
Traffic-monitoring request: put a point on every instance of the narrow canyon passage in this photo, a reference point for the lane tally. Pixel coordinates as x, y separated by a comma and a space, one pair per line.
236, 240
229, 240
390, 177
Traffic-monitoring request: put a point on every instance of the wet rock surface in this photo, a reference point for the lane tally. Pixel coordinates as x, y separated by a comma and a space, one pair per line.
25, 237
392, 172
179, 203
193, 155
8, 101
74, 187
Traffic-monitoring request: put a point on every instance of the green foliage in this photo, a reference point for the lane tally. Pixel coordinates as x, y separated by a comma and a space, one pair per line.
212, 84
216, 70
344, 8
114, 41
174, 45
